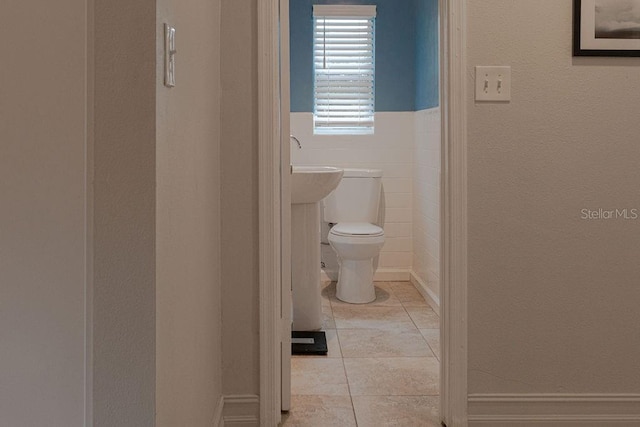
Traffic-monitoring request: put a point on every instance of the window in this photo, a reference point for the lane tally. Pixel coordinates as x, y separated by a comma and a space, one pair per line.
344, 68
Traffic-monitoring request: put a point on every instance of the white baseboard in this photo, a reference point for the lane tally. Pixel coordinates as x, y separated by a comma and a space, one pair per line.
563, 410
391, 275
429, 296
241, 411
382, 275
218, 419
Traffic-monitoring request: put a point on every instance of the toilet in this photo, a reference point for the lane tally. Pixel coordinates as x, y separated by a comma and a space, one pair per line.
352, 208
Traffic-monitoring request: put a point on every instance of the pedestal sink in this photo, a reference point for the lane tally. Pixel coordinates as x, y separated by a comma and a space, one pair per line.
309, 185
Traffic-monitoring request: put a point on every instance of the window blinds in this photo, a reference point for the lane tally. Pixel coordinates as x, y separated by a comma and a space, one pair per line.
343, 52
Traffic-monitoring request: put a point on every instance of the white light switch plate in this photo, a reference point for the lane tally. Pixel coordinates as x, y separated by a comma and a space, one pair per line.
493, 83
169, 56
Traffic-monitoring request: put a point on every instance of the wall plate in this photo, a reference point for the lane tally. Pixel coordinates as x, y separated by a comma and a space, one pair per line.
493, 83
169, 56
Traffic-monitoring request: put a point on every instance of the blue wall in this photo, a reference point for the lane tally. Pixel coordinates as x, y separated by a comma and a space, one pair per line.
406, 68
427, 66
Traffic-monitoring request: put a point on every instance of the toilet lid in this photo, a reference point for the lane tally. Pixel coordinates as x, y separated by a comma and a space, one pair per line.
356, 229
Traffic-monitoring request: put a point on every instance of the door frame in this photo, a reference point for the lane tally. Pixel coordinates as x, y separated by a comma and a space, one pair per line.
273, 147
453, 211
270, 257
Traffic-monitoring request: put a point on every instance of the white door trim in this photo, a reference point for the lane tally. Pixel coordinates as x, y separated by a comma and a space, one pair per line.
454, 213
269, 210
453, 247
285, 205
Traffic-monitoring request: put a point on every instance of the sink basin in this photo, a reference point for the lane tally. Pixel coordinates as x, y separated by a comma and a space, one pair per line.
310, 184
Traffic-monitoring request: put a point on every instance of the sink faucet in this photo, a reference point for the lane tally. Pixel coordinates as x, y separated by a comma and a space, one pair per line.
297, 141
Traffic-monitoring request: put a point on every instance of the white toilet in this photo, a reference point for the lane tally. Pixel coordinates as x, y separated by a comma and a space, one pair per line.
353, 208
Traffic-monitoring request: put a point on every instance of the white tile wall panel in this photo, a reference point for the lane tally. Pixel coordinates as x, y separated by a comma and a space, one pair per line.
429, 192
397, 185
368, 158
398, 215
395, 260
433, 247
432, 212
433, 229
391, 149
406, 146
398, 200
398, 229
398, 244
426, 198
391, 170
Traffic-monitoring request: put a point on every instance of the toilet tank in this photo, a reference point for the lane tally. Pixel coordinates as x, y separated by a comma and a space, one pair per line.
356, 199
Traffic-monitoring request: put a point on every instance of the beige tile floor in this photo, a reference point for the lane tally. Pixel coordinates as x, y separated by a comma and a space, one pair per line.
382, 368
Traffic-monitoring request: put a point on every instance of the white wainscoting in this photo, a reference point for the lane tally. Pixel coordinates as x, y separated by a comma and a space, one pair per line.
426, 200
390, 148
566, 410
400, 139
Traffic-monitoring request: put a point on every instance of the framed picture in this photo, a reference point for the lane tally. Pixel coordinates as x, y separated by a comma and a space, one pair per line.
606, 27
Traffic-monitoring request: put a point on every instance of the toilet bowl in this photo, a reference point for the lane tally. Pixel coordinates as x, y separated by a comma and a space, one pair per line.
352, 208
356, 245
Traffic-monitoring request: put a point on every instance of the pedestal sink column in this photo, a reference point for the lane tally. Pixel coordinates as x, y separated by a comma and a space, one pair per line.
309, 185
305, 266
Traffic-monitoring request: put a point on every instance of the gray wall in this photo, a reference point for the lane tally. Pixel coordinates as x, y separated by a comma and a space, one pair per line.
42, 212
124, 313
553, 298
188, 282
239, 197
157, 298
93, 153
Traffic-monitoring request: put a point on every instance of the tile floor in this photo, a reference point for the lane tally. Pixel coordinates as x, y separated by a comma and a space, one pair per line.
382, 368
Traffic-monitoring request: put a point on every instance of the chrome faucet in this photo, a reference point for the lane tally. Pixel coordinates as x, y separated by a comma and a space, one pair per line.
297, 141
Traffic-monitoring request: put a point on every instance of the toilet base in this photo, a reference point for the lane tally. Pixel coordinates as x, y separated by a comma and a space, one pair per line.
355, 281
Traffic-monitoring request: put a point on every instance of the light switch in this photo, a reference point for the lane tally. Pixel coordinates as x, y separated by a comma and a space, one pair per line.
169, 56
493, 83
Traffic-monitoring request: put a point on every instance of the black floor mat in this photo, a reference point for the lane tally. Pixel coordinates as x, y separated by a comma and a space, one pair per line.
308, 343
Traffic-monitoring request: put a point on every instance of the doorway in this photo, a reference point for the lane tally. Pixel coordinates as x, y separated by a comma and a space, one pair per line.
274, 147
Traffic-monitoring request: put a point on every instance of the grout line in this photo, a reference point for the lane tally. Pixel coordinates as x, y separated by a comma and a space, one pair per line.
431, 349
388, 288
344, 368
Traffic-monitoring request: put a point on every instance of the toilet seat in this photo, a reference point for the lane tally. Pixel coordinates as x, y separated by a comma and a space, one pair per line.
356, 229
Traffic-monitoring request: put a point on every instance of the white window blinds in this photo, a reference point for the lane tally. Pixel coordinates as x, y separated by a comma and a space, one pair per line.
343, 52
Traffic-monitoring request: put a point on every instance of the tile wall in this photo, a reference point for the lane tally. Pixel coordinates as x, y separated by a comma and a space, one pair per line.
390, 149
426, 202
406, 146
